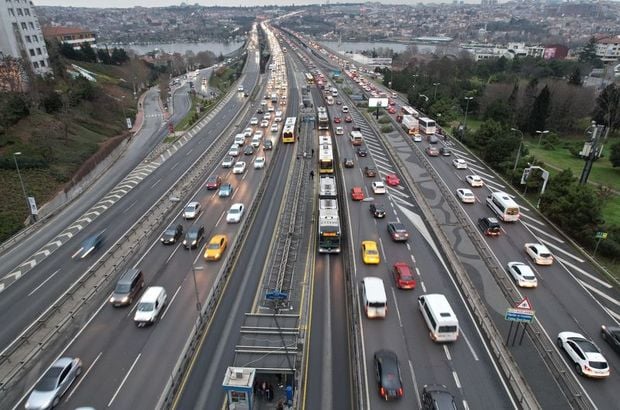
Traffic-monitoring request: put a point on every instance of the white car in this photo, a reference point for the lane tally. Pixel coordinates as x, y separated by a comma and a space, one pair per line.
522, 274
459, 163
339, 131
228, 162
254, 121
274, 128
417, 138
539, 253
239, 167
466, 196
474, 180
235, 213
192, 210
584, 353
345, 109
258, 134
234, 151
259, 163
378, 187
247, 133
264, 123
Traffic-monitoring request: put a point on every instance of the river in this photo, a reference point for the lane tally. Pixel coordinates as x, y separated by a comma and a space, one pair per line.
216, 48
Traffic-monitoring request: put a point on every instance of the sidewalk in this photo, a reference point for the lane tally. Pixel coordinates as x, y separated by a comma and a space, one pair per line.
139, 122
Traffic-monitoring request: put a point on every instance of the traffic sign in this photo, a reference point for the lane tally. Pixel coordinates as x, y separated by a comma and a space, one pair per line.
601, 235
519, 315
524, 304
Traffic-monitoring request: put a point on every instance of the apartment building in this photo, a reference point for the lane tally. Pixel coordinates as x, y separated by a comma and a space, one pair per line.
75, 36
608, 48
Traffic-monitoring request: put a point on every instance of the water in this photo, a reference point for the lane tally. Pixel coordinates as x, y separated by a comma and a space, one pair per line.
216, 48
357, 47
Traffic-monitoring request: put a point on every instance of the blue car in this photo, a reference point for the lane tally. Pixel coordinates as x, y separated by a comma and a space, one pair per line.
226, 190
91, 244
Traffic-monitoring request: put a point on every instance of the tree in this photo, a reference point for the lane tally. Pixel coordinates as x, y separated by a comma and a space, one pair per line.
87, 52
499, 111
540, 111
607, 109
588, 52
487, 133
501, 150
119, 56
575, 77
614, 155
103, 56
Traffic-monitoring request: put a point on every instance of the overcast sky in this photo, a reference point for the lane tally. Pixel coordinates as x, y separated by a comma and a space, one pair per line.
160, 3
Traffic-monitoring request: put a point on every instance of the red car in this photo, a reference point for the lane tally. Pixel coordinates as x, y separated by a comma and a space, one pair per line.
348, 119
214, 182
337, 120
392, 180
391, 101
357, 194
392, 110
403, 276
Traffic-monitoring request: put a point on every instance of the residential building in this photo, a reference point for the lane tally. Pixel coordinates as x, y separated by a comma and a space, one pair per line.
608, 48
75, 36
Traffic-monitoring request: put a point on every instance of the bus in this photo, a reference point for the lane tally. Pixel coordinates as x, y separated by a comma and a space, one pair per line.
439, 317
407, 110
323, 120
327, 187
309, 78
325, 139
504, 206
326, 159
329, 226
289, 133
427, 126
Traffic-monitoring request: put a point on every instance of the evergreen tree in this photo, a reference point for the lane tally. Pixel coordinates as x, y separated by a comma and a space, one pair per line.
539, 112
614, 155
588, 52
607, 109
87, 52
575, 77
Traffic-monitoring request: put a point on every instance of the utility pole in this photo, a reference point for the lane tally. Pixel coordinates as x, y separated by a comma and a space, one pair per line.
514, 169
596, 135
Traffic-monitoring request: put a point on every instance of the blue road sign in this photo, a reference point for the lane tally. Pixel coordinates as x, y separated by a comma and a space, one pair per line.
519, 315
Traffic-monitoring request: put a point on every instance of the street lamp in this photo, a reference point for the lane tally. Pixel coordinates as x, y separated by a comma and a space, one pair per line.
415, 76
423, 96
540, 133
467, 100
435, 93
519, 151
21, 182
198, 304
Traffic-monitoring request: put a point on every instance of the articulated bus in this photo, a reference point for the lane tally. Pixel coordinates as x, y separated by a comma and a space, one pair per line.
427, 126
289, 133
504, 206
407, 110
309, 78
326, 159
329, 226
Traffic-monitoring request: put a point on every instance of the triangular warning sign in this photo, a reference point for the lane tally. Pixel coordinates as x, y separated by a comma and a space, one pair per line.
524, 304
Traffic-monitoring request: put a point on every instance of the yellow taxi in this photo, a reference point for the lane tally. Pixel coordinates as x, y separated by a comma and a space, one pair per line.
216, 247
370, 253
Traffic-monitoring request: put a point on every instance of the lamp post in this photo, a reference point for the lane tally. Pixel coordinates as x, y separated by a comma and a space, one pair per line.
435, 92
519, 151
21, 182
541, 133
198, 304
467, 100
423, 96
415, 76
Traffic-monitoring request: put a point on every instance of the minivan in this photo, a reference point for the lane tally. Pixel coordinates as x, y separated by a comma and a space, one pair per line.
127, 288
374, 297
150, 306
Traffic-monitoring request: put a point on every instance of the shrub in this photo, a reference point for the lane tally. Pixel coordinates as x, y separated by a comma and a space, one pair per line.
386, 129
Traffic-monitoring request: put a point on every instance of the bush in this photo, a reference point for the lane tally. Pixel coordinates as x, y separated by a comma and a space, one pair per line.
387, 129
384, 119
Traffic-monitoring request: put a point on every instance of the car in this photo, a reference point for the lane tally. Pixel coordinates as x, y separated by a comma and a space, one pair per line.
459, 163
348, 163
403, 276
172, 234
234, 151
247, 133
338, 102
192, 210
586, 356
522, 274
432, 151
474, 180
127, 287
239, 167
445, 151
387, 372
378, 187
235, 213
226, 190
259, 163
370, 172
377, 210
260, 110
362, 152
437, 397
392, 110
392, 180
357, 194
339, 131
611, 334
490, 226
264, 123
90, 244
337, 120
215, 248
248, 150
417, 138
193, 236
539, 253
258, 134
466, 195
267, 145
345, 109
370, 253
274, 128
228, 162
348, 119
55, 383
397, 232
214, 182
240, 88
432, 139
254, 121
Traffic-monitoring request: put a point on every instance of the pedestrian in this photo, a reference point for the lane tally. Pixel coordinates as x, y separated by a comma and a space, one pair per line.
269, 392
311, 174
312, 153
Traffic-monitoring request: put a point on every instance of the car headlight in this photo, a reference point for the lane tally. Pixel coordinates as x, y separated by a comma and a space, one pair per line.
112, 299
125, 299
193, 242
184, 242
162, 239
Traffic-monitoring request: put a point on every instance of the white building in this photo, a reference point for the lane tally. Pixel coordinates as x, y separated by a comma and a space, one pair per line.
21, 36
608, 49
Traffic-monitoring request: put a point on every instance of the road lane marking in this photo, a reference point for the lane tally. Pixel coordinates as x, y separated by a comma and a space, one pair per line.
129, 206
170, 303
156, 182
124, 380
542, 232
456, 379
400, 322
447, 352
598, 292
423, 287
561, 250
471, 348
415, 384
43, 283
530, 218
83, 377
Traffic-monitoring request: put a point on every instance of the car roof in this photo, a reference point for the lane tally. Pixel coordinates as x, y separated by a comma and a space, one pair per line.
217, 238
62, 362
193, 203
369, 244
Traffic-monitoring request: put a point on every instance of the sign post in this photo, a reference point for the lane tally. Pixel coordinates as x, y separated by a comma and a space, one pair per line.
523, 314
599, 237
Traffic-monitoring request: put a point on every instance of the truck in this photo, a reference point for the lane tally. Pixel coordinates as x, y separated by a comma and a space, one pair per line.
410, 124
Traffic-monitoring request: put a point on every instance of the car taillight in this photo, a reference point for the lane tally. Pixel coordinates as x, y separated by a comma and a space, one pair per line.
399, 392
382, 392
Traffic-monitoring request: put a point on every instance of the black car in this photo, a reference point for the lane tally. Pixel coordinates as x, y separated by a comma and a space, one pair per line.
445, 151
437, 397
267, 145
260, 110
490, 226
361, 152
377, 210
370, 172
248, 150
388, 375
90, 244
193, 237
172, 234
611, 334
348, 163
398, 232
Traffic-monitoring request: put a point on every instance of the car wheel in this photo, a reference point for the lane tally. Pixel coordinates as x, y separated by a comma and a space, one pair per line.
78, 371
559, 343
56, 401
603, 335
579, 369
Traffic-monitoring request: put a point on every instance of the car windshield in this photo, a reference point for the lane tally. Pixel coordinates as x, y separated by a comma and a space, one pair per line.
371, 252
215, 245
192, 234
122, 288
545, 255
48, 382
145, 307
234, 211
170, 232
190, 208
585, 345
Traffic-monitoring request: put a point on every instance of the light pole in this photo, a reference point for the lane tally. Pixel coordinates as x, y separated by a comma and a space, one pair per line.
21, 182
435, 92
423, 96
467, 100
415, 76
519, 151
198, 304
541, 133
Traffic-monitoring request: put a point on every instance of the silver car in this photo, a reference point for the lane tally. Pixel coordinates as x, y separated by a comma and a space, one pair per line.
54, 383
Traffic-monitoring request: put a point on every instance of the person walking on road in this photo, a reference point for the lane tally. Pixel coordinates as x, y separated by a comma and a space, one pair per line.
311, 174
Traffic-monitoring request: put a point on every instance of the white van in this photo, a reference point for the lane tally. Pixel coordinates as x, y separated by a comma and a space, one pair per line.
439, 317
374, 297
256, 139
150, 306
240, 139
